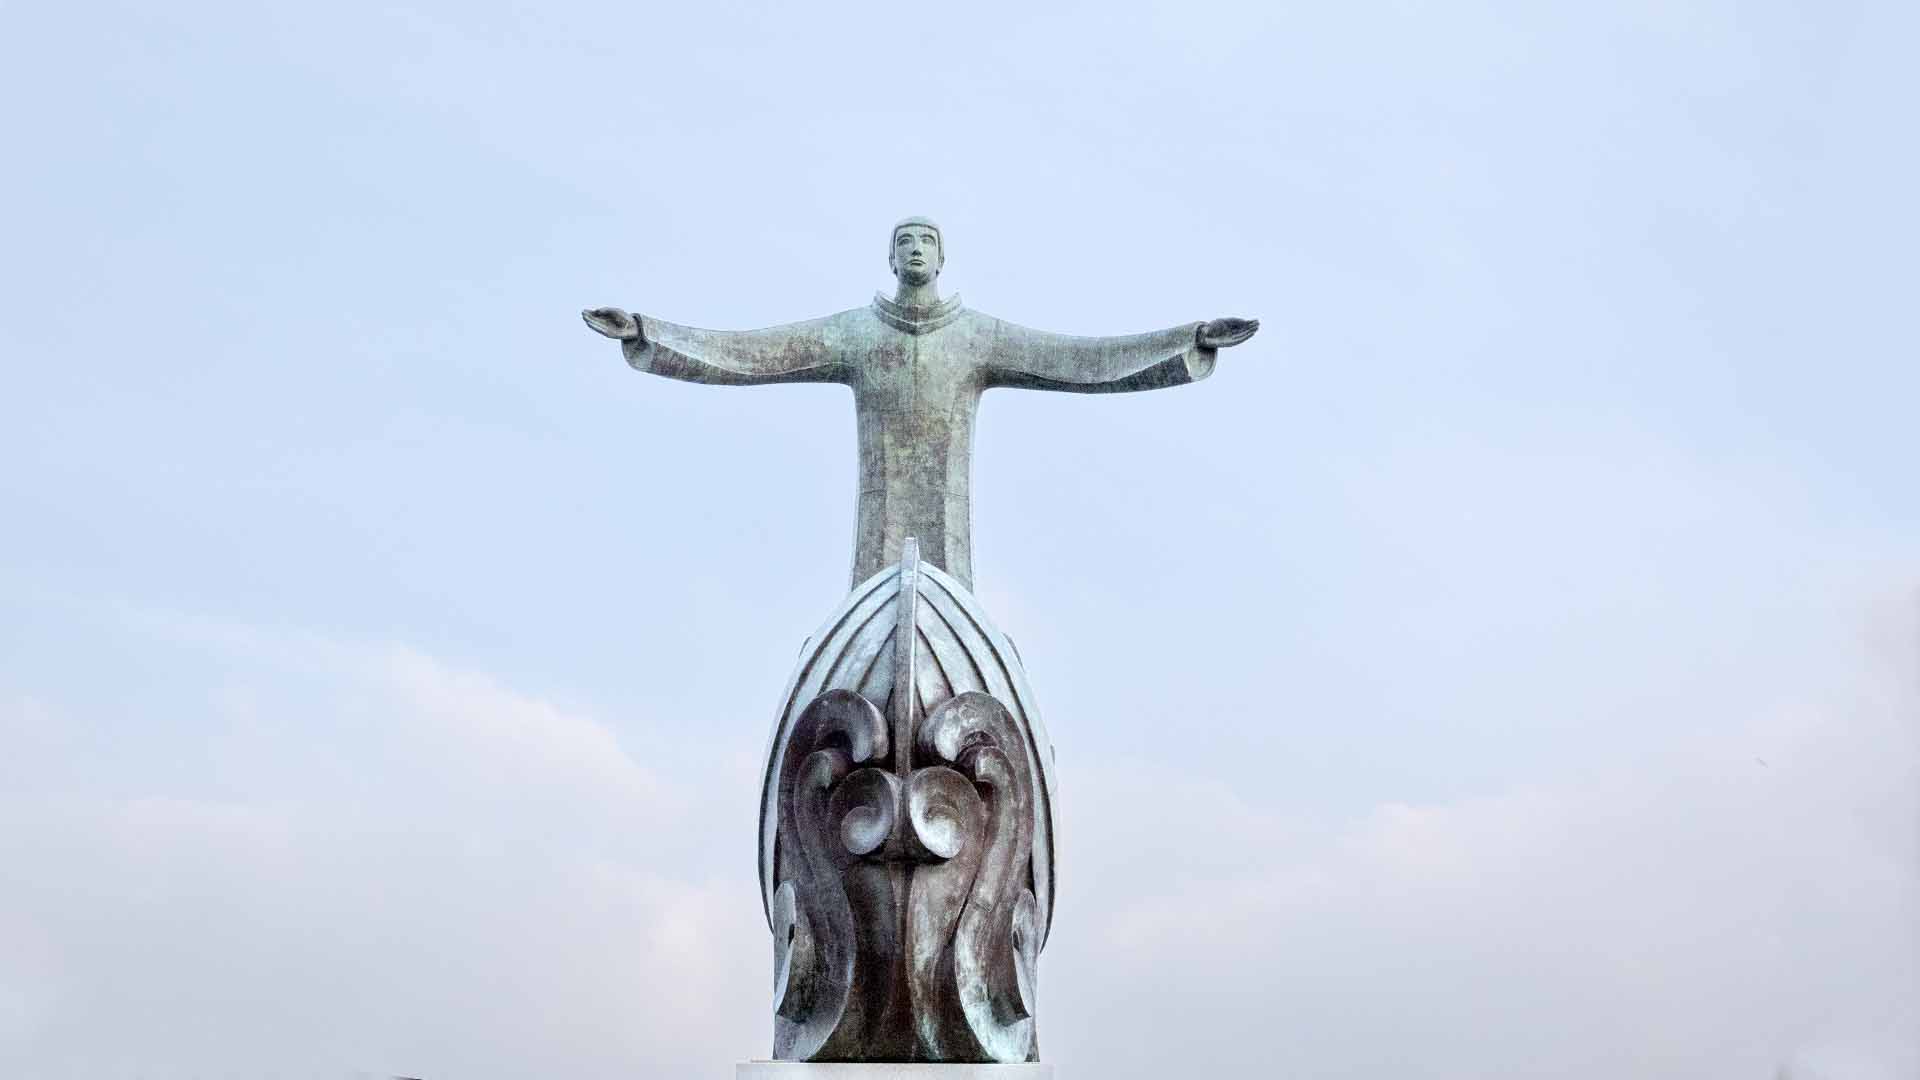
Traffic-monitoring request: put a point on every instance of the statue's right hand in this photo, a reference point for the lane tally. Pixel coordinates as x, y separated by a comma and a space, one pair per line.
612, 322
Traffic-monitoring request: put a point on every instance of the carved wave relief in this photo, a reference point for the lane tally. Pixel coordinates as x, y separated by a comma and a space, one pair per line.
905, 834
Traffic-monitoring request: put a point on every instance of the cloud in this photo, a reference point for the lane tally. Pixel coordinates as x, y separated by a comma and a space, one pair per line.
399, 866
371, 861
1736, 901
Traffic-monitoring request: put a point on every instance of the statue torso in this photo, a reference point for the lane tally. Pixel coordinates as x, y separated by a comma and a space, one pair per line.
916, 394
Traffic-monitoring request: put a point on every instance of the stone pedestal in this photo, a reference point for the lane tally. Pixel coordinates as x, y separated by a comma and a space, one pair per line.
887, 1070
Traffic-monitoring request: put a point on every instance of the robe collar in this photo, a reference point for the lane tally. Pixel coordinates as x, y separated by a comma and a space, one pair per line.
916, 320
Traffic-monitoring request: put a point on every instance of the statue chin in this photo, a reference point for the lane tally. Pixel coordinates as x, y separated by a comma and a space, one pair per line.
916, 276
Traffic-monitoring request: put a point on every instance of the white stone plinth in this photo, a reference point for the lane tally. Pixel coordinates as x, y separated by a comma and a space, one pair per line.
885, 1070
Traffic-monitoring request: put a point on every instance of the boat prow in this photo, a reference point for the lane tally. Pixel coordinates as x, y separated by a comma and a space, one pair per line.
953, 649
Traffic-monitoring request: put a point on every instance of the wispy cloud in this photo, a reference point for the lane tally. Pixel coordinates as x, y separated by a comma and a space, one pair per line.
412, 869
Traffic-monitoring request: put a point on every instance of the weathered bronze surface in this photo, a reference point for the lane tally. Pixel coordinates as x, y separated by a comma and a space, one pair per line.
917, 365
906, 817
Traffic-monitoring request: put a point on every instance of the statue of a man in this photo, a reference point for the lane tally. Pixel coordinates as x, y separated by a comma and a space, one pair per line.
907, 860
917, 365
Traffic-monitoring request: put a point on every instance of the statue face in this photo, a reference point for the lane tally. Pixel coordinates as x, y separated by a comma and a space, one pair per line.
916, 254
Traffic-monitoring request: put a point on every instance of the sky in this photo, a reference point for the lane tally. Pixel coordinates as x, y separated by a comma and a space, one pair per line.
1507, 664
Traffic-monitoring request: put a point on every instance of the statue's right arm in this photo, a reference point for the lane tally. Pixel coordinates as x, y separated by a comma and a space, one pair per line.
796, 352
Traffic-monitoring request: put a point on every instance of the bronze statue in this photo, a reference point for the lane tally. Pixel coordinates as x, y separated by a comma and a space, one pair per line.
906, 825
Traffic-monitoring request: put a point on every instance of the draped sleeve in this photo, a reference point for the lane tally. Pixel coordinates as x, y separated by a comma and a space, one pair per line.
1039, 360
797, 352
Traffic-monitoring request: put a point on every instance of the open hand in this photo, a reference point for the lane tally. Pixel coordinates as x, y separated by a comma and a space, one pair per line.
1221, 333
612, 322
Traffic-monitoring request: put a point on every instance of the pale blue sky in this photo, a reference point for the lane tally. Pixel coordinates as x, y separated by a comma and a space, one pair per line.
1503, 666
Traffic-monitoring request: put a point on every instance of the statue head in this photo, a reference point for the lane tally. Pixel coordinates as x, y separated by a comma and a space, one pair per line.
915, 252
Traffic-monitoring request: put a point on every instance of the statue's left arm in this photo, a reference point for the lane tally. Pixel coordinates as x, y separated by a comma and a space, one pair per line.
1039, 360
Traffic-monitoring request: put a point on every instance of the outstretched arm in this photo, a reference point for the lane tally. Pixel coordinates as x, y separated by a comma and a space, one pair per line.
1038, 360
797, 352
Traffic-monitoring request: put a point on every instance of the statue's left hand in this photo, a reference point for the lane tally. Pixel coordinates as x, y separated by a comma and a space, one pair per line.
613, 322
1226, 333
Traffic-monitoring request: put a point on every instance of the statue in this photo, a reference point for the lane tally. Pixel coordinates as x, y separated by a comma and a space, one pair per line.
906, 840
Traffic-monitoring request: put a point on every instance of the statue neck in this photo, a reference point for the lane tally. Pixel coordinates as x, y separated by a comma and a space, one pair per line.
918, 296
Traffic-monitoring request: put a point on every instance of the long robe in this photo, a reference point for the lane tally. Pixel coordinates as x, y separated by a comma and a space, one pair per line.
917, 375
